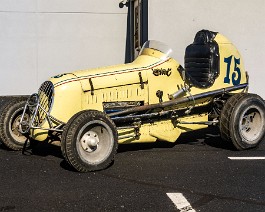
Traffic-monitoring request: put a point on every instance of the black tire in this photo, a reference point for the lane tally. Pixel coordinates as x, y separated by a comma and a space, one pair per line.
242, 121
89, 141
9, 120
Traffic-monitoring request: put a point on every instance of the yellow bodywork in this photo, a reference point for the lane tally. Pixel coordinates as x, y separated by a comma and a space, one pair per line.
88, 89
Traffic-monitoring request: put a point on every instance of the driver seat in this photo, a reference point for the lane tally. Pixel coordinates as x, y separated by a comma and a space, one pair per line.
202, 60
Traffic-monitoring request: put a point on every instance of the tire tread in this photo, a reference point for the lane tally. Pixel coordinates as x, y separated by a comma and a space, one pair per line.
68, 134
226, 116
5, 138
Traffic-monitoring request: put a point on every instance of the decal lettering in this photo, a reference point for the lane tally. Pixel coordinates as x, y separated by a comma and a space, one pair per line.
236, 75
162, 71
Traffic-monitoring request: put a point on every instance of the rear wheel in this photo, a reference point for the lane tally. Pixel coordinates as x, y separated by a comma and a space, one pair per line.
242, 120
9, 125
89, 141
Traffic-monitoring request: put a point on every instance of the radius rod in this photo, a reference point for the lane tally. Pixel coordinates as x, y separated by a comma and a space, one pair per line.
179, 101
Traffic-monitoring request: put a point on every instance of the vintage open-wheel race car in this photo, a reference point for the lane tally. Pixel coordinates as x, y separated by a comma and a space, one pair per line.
153, 98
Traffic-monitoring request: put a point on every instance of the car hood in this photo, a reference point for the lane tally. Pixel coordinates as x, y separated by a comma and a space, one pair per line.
110, 76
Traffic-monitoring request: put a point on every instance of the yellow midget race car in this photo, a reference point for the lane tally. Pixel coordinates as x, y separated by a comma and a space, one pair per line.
153, 98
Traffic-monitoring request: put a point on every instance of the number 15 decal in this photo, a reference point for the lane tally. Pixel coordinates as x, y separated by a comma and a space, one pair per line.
236, 76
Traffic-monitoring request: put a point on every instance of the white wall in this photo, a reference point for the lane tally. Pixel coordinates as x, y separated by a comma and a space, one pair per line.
242, 21
41, 38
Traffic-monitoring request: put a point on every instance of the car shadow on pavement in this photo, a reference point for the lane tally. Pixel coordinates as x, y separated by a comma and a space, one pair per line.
66, 166
40, 148
209, 136
45, 148
2, 146
205, 137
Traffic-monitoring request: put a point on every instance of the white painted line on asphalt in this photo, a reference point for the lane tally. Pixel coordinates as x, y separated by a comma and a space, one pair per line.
246, 158
180, 202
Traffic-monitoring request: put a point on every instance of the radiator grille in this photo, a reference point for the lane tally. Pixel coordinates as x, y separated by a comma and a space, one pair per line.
46, 92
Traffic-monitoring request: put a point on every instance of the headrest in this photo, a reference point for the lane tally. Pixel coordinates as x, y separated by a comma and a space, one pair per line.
204, 36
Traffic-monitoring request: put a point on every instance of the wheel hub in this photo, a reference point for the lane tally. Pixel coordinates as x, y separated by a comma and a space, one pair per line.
247, 122
251, 125
89, 141
15, 128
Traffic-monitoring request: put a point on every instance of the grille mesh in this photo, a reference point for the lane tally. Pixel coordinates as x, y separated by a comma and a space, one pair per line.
46, 92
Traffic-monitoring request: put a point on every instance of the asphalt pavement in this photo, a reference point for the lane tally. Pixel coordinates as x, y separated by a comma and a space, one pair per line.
197, 173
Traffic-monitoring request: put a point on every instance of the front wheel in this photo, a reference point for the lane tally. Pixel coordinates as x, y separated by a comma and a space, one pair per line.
89, 141
9, 125
242, 121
